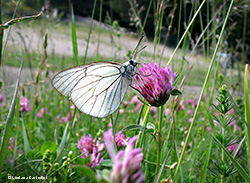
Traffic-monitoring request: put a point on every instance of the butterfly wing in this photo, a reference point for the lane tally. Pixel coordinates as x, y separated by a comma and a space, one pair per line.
95, 89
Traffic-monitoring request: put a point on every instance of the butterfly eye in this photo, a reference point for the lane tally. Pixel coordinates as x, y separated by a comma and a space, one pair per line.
132, 62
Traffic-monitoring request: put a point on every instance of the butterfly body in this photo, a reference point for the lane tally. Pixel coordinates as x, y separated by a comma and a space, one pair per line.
96, 89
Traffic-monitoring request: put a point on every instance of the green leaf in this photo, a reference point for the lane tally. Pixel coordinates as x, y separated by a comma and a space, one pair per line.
74, 38
150, 128
64, 138
1, 83
132, 127
107, 163
49, 145
9, 121
25, 139
87, 172
235, 163
175, 92
210, 120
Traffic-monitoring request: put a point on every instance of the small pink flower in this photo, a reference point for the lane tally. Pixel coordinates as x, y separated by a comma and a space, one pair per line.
92, 147
181, 105
209, 129
190, 120
167, 112
2, 101
231, 111
189, 101
233, 147
24, 104
135, 100
190, 112
237, 128
153, 109
41, 112
155, 83
11, 143
121, 111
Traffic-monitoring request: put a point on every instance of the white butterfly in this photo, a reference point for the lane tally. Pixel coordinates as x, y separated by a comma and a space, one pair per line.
96, 89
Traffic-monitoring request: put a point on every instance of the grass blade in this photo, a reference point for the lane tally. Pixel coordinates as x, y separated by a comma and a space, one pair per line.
204, 172
163, 166
74, 38
9, 121
64, 139
247, 115
90, 30
25, 139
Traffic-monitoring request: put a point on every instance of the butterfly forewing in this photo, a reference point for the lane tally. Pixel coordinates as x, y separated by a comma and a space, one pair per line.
95, 89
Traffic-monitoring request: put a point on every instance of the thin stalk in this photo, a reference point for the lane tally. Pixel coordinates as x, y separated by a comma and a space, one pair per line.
90, 30
203, 89
1, 33
186, 31
141, 134
159, 143
247, 115
74, 37
99, 32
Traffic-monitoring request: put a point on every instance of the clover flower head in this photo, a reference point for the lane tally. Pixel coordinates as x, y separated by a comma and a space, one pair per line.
120, 139
24, 104
126, 164
155, 83
92, 147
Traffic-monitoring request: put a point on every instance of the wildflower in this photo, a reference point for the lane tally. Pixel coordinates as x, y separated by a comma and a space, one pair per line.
2, 100
11, 143
181, 105
126, 169
190, 120
190, 101
233, 147
167, 112
121, 111
120, 139
24, 104
189, 112
41, 112
136, 101
155, 83
92, 147
209, 129
68, 117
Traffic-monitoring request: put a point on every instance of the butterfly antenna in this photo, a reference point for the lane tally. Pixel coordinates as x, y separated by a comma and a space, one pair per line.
133, 55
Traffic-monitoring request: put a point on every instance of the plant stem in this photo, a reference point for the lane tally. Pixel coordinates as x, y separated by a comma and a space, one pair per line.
159, 143
90, 30
247, 115
141, 134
